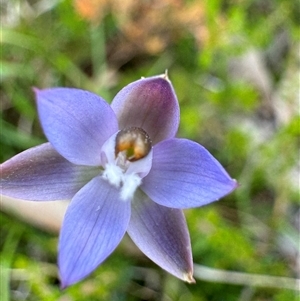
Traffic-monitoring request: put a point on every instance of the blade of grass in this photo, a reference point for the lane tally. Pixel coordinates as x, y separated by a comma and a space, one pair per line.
238, 278
59, 61
6, 258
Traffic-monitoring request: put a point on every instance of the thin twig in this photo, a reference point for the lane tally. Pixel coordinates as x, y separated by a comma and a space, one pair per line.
214, 275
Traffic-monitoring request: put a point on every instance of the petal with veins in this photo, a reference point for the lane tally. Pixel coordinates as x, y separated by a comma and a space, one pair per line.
185, 175
94, 224
150, 104
161, 233
42, 174
76, 123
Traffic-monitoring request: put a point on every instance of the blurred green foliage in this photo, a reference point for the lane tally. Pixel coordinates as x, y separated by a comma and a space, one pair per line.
253, 230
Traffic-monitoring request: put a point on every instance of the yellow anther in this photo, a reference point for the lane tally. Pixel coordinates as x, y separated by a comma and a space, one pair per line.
134, 142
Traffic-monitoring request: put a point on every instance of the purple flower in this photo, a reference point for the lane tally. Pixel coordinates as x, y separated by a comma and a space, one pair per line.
123, 170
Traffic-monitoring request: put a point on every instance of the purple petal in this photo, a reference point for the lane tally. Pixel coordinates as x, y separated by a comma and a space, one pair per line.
150, 104
94, 224
76, 123
161, 233
40, 173
185, 175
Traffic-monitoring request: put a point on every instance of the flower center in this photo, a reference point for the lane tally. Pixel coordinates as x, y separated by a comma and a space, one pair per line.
134, 143
127, 158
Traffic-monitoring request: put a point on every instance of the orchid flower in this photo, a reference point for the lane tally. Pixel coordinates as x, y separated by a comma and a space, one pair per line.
123, 170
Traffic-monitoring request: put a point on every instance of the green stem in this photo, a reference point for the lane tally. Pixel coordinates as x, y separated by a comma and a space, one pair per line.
237, 278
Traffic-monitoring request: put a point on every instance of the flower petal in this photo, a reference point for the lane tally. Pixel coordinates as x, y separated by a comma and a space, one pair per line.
161, 233
76, 123
150, 104
94, 224
41, 173
185, 175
